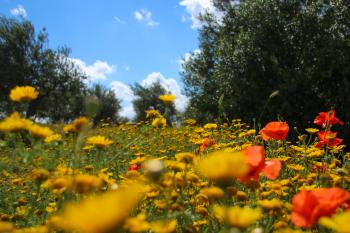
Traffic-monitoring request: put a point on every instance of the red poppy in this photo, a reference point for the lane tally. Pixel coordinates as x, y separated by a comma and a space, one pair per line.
134, 167
328, 138
325, 118
206, 143
309, 206
275, 130
256, 159
272, 168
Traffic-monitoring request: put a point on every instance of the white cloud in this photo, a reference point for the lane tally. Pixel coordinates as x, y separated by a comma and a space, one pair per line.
125, 94
196, 7
19, 11
145, 16
119, 20
187, 56
97, 71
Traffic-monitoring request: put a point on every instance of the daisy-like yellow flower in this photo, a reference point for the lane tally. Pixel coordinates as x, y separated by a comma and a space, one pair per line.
53, 138
164, 226
340, 223
159, 122
137, 224
242, 217
311, 130
100, 214
77, 125
167, 99
40, 131
153, 113
6, 227
210, 126
213, 192
270, 204
222, 165
14, 123
99, 141
23, 93
239, 217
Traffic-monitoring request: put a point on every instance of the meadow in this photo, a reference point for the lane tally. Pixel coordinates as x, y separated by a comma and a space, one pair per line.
150, 177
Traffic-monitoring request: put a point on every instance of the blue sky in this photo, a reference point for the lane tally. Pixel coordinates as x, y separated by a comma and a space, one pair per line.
120, 42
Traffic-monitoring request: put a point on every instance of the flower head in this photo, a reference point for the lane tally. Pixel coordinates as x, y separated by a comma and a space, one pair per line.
23, 93
14, 123
222, 165
99, 141
328, 138
275, 130
309, 206
99, 214
167, 99
339, 222
327, 118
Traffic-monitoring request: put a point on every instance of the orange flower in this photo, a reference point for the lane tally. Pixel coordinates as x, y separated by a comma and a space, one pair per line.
256, 160
327, 118
275, 130
328, 138
206, 143
309, 206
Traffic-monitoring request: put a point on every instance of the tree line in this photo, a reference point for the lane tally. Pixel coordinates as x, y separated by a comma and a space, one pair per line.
265, 60
26, 59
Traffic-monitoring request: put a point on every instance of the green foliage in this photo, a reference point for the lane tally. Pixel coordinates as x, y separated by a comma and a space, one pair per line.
300, 48
147, 98
108, 104
25, 59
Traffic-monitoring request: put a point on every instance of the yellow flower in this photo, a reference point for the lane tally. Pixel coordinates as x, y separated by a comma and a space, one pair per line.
270, 204
99, 141
340, 223
99, 214
167, 99
223, 165
86, 183
242, 217
210, 126
6, 227
40, 131
52, 138
23, 93
213, 192
159, 122
164, 226
14, 123
137, 224
311, 130
190, 121
77, 125
153, 113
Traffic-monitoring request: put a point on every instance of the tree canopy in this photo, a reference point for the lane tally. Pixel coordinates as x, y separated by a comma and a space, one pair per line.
300, 48
26, 59
148, 98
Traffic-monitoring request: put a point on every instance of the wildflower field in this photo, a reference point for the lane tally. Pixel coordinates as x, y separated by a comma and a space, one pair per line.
150, 177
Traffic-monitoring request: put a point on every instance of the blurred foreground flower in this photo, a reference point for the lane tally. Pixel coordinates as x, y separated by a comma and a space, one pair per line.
23, 93
275, 130
14, 123
100, 214
240, 217
222, 165
309, 206
340, 223
257, 164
